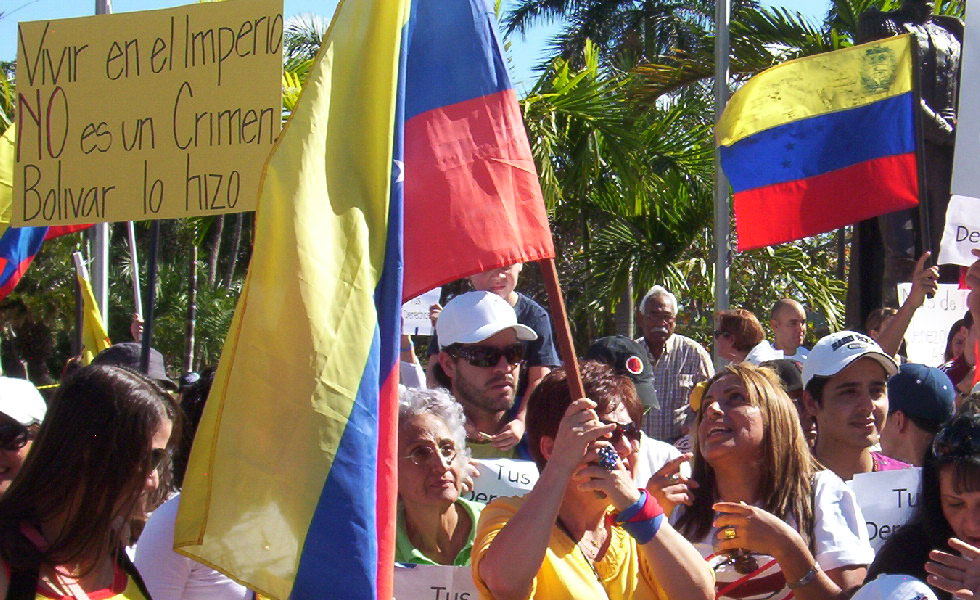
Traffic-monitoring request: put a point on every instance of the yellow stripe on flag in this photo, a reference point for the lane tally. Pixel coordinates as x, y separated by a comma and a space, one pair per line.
7, 158
95, 339
816, 85
299, 341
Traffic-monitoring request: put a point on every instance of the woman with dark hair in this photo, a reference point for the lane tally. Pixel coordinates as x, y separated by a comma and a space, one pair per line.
758, 507
63, 522
740, 337
956, 339
585, 530
945, 526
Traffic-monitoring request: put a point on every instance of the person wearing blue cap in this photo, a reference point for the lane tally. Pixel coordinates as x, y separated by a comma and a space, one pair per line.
920, 400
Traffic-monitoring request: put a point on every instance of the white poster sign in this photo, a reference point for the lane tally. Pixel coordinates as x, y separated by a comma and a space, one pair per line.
887, 499
962, 231
929, 328
415, 313
429, 582
502, 477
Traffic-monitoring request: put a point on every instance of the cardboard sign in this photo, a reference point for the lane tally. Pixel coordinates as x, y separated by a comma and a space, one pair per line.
962, 230
929, 327
887, 499
415, 313
501, 477
429, 582
146, 115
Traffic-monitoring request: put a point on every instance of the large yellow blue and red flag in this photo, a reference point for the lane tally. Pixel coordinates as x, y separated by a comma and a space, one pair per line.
291, 485
820, 142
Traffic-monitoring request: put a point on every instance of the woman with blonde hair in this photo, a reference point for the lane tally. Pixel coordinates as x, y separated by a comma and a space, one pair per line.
758, 506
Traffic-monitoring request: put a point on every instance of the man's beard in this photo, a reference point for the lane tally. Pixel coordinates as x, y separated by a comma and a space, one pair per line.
469, 395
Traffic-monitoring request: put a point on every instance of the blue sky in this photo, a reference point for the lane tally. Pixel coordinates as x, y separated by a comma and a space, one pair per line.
525, 53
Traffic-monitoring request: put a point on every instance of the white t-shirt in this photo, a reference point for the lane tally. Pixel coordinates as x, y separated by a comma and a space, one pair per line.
653, 455
171, 576
762, 352
411, 375
801, 354
840, 539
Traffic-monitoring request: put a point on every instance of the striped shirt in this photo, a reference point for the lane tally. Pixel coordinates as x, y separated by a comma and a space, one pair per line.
683, 363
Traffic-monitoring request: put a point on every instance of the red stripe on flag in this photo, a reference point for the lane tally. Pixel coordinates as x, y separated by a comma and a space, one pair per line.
59, 230
472, 199
796, 209
387, 481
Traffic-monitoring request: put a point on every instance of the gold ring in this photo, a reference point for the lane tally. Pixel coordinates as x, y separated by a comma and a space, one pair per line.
728, 533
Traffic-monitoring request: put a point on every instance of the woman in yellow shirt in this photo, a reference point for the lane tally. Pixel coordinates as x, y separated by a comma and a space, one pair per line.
585, 530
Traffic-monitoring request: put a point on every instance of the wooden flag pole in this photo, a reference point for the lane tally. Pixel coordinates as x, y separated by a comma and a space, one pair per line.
563, 333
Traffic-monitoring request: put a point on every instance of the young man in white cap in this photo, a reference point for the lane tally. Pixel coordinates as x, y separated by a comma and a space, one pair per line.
845, 389
480, 362
21, 411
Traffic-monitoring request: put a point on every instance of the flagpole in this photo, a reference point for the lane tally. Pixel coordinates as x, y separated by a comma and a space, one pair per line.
100, 239
722, 214
563, 333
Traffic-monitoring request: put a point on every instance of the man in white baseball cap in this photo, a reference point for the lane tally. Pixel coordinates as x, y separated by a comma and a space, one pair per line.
21, 411
845, 389
480, 362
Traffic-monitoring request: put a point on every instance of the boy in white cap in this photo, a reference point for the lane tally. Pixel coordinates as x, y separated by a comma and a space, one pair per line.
480, 362
845, 389
21, 412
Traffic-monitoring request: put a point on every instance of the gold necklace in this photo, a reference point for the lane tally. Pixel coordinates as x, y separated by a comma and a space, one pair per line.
588, 561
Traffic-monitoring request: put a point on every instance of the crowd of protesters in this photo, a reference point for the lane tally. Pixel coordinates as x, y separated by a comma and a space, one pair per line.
670, 479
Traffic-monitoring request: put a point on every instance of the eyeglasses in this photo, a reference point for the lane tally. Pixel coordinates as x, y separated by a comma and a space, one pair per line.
959, 439
719, 333
628, 431
14, 436
489, 356
421, 455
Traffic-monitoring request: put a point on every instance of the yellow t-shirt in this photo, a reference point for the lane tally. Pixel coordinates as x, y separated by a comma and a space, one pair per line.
564, 572
123, 588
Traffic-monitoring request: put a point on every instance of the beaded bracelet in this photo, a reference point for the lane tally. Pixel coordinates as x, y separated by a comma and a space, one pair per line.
643, 518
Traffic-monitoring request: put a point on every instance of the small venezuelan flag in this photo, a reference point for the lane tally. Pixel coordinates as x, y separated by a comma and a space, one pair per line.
820, 142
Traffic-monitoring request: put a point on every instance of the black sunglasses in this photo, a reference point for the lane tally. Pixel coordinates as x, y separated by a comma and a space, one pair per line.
628, 431
959, 439
14, 436
489, 356
719, 333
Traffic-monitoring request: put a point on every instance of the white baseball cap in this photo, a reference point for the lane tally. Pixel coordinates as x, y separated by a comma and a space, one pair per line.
895, 587
21, 401
474, 316
834, 352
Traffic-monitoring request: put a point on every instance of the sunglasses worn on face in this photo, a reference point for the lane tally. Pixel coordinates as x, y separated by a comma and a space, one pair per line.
14, 436
489, 356
719, 333
628, 431
421, 455
960, 439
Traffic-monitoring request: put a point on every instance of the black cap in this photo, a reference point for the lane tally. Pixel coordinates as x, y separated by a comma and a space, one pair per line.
630, 359
127, 354
789, 371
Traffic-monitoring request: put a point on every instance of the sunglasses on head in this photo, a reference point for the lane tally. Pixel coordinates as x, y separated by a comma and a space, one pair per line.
627, 430
14, 436
489, 356
959, 439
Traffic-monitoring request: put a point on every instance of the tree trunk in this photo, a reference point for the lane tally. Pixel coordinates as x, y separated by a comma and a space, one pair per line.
236, 240
217, 228
624, 310
191, 310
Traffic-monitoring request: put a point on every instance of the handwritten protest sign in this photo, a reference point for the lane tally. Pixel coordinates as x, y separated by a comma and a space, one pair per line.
502, 477
887, 499
430, 582
415, 313
146, 115
929, 327
962, 231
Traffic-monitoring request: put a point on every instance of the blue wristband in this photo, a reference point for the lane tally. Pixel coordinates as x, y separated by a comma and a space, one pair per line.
643, 531
632, 509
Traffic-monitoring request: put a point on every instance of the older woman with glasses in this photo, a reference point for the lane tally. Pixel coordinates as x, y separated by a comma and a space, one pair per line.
585, 530
435, 525
758, 507
940, 544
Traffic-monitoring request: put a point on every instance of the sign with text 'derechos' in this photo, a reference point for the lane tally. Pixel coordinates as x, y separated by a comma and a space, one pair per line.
146, 115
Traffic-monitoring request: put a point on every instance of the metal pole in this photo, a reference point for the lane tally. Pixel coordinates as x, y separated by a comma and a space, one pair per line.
150, 298
100, 241
722, 214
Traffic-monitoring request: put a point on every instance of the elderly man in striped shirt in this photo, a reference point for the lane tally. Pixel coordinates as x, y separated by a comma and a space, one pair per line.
678, 363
